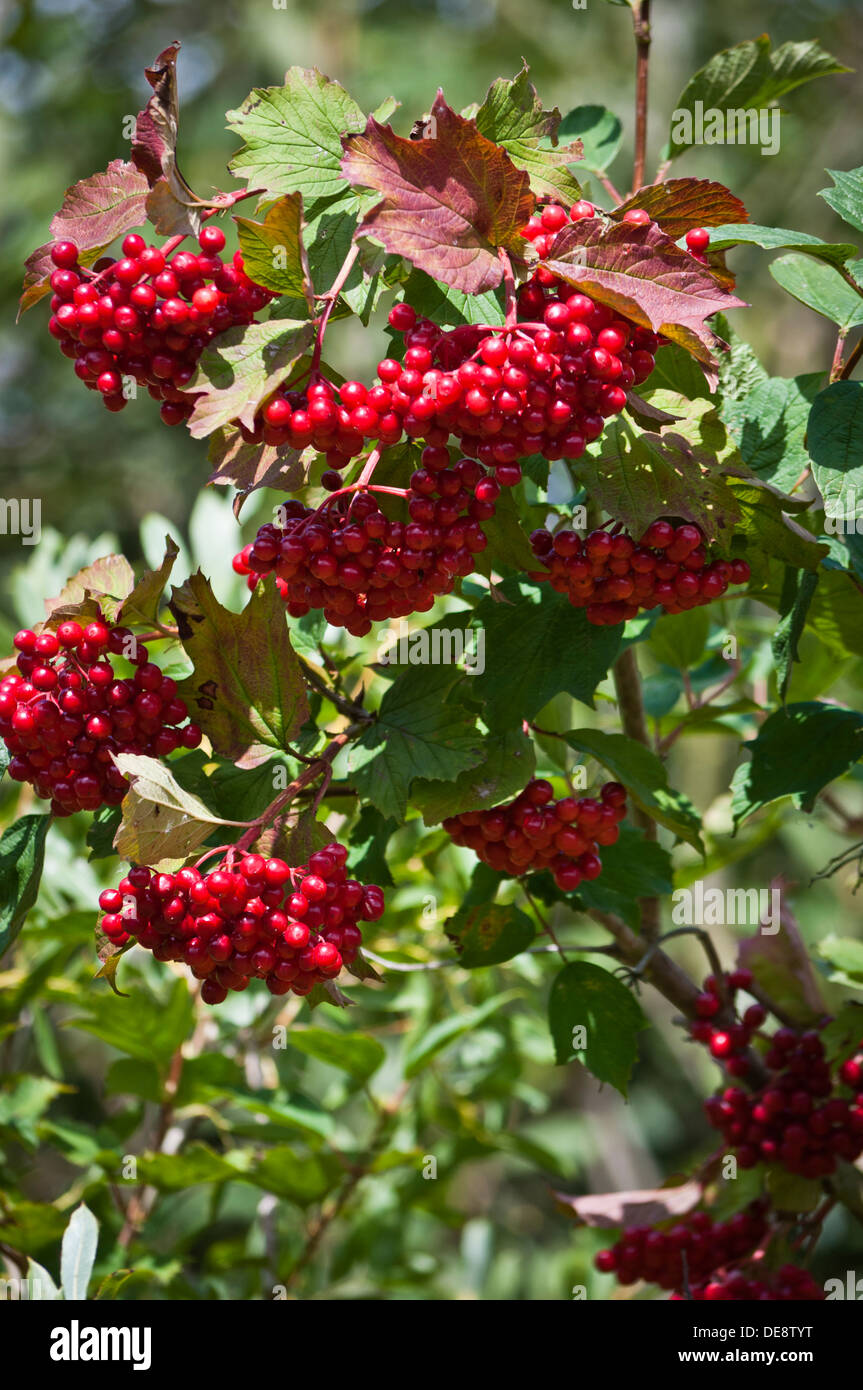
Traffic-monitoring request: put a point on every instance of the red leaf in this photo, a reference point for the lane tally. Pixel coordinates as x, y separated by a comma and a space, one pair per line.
451, 199
640, 273
154, 151
94, 212
681, 204
644, 1208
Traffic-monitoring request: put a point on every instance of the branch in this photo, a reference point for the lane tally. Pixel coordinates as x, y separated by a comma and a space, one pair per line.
641, 29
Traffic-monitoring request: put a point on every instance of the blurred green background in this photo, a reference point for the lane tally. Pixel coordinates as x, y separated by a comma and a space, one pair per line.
71, 76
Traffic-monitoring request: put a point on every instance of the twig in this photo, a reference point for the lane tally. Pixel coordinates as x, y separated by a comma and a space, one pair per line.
641, 29
836, 366
856, 353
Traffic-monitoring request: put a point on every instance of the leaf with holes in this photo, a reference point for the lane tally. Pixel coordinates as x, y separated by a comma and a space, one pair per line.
273, 252
681, 204
247, 690
639, 272
450, 201
239, 369
512, 116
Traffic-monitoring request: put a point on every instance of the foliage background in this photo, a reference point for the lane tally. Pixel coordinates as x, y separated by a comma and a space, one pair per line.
504, 1124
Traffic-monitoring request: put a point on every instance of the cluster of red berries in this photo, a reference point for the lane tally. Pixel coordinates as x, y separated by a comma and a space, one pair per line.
612, 576
535, 832
687, 1252
788, 1284
797, 1119
65, 714
727, 1044
291, 927
146, 317
360, 568
705, 1260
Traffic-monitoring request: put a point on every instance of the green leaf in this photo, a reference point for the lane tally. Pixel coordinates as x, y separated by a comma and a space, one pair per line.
508, 544
78, 1253
769, 426
843, 952
846, 197
145, 600
273, 252
369, 839
821, 288
448, 307
508, 765
584, 996
240, 368
247, 690
22, 853
358, 1055
599, 131
638, 475
40, 1284
836, 449
196, 1163
293, 137
779, 239
512, 116
161, 822
748, 77
490, 934
417, 733
426, 1043
769, 530
537, 646
797, 752
142, 1026
790, 629
293, 1177
679, 641
645, 779
632, 868
108, 582
789, 1192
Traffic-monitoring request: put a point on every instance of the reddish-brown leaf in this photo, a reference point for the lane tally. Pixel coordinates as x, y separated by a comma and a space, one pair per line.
450, 200
250, 466
681, 204
639, 272
94, 212
172, 205
643, 1208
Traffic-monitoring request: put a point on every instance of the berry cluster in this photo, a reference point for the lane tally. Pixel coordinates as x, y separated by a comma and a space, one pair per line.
789, 1284
291, 927
535, 832
146, 317
612, 576
687, 1252
797, 1119
360, 568
727, 1044
65, 713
